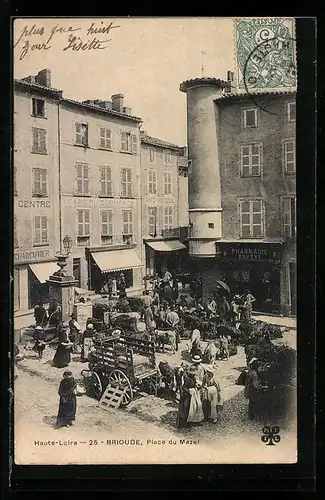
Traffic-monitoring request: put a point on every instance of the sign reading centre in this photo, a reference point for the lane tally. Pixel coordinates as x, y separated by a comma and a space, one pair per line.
264, 253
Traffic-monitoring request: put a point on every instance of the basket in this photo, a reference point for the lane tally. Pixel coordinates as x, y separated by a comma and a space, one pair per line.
80, 390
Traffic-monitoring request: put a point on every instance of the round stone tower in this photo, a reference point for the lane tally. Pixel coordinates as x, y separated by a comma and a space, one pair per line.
204, 191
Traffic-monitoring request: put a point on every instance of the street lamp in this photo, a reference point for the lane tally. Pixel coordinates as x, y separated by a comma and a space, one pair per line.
67, 244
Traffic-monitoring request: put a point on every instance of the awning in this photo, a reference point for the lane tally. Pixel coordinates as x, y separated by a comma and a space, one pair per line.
116, 260
43, 270
166, 245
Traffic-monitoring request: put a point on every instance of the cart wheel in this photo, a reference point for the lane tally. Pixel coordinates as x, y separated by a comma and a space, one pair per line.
118, 379
96, 385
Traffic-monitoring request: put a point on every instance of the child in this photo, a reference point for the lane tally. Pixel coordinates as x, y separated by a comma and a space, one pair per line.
40, 338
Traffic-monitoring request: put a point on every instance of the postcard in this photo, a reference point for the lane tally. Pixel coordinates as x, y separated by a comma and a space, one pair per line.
154, 195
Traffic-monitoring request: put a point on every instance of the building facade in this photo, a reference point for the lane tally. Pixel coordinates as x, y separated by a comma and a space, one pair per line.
100, 193
163, 167
35, 189
242, 191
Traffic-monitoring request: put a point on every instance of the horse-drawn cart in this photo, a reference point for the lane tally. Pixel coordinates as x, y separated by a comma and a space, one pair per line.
123, 362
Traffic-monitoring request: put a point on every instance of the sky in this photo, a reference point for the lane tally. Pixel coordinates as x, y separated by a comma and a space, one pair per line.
146, 59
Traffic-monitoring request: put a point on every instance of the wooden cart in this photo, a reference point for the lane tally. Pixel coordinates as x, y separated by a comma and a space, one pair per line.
122, 362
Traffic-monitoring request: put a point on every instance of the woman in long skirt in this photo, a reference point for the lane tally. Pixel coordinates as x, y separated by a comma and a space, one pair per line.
62, 355
68, 401
190, 407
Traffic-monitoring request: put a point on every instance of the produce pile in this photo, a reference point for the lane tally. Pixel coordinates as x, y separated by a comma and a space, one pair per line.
251, 333
277, 371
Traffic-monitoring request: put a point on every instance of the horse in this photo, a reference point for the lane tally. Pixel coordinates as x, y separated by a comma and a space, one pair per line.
166, 337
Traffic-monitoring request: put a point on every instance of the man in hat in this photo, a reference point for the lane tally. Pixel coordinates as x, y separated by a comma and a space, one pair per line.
198, 368
253, 390
87, 342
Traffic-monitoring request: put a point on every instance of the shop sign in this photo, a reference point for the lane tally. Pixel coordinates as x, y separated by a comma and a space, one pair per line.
259, 252
99, 202
33, 204
32, 255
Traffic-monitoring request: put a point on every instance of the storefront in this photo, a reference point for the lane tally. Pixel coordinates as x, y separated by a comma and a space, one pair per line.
109, 264
32, 269
248, 266
164, 254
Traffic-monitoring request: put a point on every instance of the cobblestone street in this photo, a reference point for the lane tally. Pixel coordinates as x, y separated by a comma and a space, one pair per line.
36, 404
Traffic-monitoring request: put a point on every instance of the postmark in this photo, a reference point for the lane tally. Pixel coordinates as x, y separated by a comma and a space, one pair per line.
265, 54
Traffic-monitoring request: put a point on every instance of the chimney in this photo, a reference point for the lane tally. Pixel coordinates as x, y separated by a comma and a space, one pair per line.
44, 78
127, 110
230, 87
103, 104
117, 102
144, 132
29, 79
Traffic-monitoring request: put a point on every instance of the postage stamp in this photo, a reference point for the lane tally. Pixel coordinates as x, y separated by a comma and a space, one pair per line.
265, 54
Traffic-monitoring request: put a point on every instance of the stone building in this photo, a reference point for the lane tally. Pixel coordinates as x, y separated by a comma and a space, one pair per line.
164, 206
35, 189
242, 191
100, 191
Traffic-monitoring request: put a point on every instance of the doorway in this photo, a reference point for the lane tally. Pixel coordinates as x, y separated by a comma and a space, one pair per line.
293, 285
76, 271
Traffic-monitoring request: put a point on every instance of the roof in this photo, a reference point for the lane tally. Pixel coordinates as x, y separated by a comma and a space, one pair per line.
37, 86
58, 93
95, 107
147, 139
184, 86
238, 95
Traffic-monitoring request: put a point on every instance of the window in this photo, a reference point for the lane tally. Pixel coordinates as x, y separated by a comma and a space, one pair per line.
39, 182
83, 227
129, 143
152, 181
251, 155
289, 217
15, 182
152, 155
40, 230
127, 226
16, 245
39, 140
106, 185
105, 138
167, 183
82, 185
167, 157
251, 219
81, 138
236, 275
291, 111
289, 156
168, 217
126, 182
152, 221
107, 227
38, 107
250, 118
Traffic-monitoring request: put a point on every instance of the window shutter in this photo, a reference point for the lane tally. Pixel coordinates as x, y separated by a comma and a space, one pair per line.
35, 139
134, 144
42, 140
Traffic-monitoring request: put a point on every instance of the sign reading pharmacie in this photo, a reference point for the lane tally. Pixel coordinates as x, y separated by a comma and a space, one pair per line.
29, 255
251, 252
